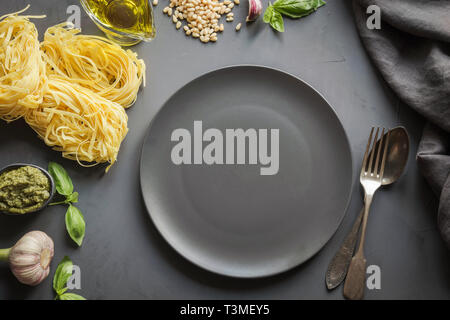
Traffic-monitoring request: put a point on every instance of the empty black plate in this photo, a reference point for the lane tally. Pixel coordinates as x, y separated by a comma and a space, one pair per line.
229, 218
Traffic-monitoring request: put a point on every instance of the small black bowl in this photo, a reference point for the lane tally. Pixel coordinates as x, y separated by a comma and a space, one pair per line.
47, 174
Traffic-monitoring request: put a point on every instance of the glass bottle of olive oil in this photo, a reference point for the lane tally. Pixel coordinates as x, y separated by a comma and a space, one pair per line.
124, 21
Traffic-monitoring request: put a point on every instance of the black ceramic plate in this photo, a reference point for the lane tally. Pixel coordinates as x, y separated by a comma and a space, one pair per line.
229, 218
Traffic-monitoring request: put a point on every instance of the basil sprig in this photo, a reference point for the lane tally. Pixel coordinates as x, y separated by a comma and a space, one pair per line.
63, 183
75, 223
71, 296
274, 18
62, 275
290, 8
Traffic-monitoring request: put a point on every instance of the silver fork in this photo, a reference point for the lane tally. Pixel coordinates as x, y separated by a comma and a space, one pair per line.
370, 178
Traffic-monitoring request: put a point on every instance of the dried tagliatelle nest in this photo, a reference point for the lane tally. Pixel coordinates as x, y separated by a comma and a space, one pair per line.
22, 70
93, 62
78, 122
71, 89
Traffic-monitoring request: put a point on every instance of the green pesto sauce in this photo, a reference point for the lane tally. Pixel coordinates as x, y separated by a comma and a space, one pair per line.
23, 190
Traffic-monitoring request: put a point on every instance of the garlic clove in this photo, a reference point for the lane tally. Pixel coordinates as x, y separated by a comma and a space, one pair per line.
254, 10
30, 258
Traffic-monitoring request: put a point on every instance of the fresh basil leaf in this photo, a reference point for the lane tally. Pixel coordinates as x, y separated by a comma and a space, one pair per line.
276, 21
295, 5
75, 224
60, 292
268, 13
62, 274
297, 8
73, 198
304, 5
63, 183
71, 296
274, 18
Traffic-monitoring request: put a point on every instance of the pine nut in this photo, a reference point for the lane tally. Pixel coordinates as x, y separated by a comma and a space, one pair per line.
202, 16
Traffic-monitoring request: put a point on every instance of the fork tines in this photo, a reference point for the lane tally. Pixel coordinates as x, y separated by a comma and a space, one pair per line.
373, 145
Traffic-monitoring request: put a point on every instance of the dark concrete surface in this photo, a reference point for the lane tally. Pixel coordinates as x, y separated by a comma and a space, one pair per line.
123, 256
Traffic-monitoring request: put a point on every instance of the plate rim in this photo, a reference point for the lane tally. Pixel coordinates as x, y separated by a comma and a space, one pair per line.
188, 257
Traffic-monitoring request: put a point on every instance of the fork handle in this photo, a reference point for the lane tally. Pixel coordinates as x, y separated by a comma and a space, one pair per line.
356, 276
367, 203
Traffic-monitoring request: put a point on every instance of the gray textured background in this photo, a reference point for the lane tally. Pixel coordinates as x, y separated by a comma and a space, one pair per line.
123, 256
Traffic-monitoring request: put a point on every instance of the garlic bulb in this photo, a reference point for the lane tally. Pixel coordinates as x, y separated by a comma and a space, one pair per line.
29, 259
254, 10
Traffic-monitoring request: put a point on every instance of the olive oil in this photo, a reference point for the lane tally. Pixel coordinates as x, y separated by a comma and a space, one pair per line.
120, 19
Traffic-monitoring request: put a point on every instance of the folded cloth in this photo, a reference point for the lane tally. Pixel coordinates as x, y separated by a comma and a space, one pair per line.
412, 52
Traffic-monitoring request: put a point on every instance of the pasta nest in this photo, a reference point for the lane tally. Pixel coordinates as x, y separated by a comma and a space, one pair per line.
22, 70
93, 62
79, 123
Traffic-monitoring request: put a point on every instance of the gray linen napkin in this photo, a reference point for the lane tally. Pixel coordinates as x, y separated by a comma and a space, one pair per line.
412, 52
